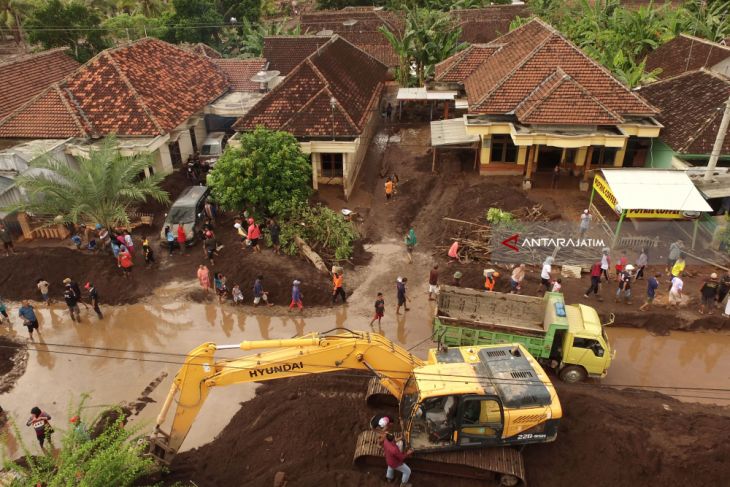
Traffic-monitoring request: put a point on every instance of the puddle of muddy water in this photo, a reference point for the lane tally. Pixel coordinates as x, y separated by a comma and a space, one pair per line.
685, 365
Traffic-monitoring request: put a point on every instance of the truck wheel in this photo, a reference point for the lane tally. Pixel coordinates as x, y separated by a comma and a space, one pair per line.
507, 480
572, 374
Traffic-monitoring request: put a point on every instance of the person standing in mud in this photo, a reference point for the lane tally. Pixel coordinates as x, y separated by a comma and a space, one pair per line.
94, 299
4, 312
72, 301
275, 232
545, 275
181, 239
149, 255
641, 263
296, 296
433, 283
708, 292
596, 271
210, 246
675, 250
7, 239
388, 189
723, 289
400, 287
624, 284
337, 287
204, 277
219, 281
651, 286
379, 309
40, 422
605, 263
124, 261
27, 314
410, 241
259, 294
170, 238
253, 234
43, 286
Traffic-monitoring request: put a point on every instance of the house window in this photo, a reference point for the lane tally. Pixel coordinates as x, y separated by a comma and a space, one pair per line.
603, 156
331, 165
503, 150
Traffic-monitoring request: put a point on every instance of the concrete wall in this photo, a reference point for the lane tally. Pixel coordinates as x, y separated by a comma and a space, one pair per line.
163, 161
723, 67
353, 162
200, 132
186, 145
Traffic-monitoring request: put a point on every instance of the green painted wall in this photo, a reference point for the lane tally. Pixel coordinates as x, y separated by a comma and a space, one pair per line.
660, 155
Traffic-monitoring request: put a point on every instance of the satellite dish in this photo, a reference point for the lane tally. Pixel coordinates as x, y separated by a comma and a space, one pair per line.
264, 76
325, 33
349, 22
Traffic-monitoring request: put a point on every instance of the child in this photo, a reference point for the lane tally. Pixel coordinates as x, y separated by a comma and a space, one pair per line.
557, 286
379, 309
237, 294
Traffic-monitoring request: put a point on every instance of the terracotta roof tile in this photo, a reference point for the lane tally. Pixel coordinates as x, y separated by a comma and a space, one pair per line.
559, 99
23, 78
462, 64
143, 89
48, 113
240, 71
301, 103
685, 53
284, 53
691, 107
480, 25
526, 57
205, 50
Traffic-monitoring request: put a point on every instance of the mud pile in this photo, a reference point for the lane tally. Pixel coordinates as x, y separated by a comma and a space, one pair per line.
13, 360
307, 428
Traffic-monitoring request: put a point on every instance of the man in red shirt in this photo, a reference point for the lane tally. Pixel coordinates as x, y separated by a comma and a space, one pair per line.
395, 459
595, 280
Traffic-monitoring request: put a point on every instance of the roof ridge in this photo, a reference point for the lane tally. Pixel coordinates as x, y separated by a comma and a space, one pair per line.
341, 108
507, 76
559, 72
598, 102
460, 55
33, 55
304, 105
702, 128
92, 131
134, 91
704, 41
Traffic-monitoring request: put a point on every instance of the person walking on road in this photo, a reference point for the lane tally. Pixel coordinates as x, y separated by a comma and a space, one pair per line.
410, 242
605, 263
515, 280
400, 287
337, 287
94, 299
708, 293
40, 422
585, 222
395, 459
296, 296
433, 283
651, 286
641, 263
43, 286
624, 284
596, 271
379, 309
204, 277
7, 239
72, 301
259, 294
27, 314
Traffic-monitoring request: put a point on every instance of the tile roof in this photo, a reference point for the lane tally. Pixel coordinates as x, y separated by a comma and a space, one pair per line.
559, 97
146, 88
480, 25
284, 53
685, 53
240, 71
691, 106
300, 104
25, 77
461, 65
48, 115
205, 50
525, 57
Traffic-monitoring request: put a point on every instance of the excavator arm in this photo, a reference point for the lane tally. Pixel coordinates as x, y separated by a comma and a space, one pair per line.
310, 354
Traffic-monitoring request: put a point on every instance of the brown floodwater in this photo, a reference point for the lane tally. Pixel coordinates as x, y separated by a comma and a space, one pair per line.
138, 344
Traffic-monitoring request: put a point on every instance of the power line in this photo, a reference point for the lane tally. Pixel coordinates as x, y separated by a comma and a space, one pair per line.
449, 378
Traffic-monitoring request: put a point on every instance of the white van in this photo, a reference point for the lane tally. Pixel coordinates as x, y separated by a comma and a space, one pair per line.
213, 147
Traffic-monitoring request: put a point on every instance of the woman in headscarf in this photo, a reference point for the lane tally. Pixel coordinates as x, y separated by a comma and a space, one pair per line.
410, 242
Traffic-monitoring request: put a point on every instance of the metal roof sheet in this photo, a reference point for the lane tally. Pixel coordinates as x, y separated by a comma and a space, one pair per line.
451, 132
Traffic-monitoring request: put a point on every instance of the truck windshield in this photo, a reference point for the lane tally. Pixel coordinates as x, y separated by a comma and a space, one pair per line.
409, 398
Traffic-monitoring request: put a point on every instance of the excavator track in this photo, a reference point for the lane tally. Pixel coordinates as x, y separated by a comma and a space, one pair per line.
502, 464
379, 396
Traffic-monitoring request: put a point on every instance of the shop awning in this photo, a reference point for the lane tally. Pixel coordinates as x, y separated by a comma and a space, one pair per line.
654, 189
451, 132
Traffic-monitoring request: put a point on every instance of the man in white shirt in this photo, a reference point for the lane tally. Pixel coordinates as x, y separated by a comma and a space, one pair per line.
675, 293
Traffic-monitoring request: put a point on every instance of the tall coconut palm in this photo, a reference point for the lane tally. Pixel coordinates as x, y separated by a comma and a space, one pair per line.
12, 13
103, 189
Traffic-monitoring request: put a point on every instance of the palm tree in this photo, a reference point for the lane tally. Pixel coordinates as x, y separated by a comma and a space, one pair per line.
12, 13
103, 189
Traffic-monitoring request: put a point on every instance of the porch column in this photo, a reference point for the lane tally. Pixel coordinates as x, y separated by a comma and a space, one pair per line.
620, 154
315, 165
587, 165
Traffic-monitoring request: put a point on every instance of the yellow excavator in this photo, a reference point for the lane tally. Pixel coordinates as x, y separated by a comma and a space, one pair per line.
461, 410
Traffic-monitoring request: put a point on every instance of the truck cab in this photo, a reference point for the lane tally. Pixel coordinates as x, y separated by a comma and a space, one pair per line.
584, 346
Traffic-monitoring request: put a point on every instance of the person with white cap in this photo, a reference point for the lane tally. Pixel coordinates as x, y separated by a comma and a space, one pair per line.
624, 284
709, 294
296, 296
545, 277
585, 222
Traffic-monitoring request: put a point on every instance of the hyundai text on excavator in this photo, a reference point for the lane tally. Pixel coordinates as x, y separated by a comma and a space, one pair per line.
461, 410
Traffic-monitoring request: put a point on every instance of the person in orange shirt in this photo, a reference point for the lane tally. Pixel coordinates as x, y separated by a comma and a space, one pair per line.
491, 280
388, 189
338, 290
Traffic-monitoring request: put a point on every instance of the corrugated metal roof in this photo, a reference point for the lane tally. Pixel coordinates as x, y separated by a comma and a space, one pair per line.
654, 189
451, 132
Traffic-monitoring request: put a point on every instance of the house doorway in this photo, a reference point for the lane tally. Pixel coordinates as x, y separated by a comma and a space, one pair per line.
548, 158
175, 155
332, 165
193, 140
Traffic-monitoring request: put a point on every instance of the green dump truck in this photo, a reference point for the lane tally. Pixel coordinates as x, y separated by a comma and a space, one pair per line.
567, 338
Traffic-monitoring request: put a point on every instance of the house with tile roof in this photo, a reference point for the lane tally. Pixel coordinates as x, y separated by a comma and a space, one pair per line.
536, 101
689, 53
284, 53
24, 77
243, 95
692, 105
149, 93
329, 102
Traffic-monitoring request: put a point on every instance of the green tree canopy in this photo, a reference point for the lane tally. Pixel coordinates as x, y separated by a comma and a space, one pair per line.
240, 9
248, 40
268, 172
73, 24
136, 26
103, 189
194, 21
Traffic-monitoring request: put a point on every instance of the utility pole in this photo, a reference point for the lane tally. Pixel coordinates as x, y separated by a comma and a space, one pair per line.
719, 140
